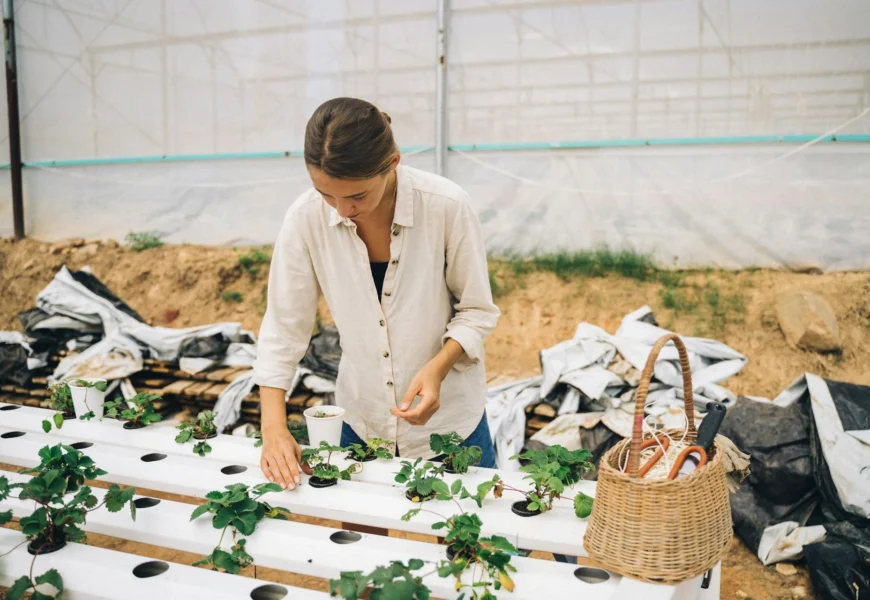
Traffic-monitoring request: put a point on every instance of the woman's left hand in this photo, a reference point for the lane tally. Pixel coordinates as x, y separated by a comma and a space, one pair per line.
427, 385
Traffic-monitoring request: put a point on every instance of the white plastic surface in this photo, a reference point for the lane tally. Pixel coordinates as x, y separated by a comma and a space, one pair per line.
558, 530
308, 549
91, 573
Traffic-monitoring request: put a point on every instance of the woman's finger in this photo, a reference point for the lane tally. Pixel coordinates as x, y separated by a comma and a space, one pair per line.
264, 466
290, 459
275, 474
289, 483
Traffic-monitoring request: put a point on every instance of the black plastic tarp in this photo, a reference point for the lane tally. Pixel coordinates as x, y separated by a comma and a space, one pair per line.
324, 354
790, 444
840, 565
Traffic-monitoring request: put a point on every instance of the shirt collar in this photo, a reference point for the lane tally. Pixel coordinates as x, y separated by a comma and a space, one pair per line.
404, 214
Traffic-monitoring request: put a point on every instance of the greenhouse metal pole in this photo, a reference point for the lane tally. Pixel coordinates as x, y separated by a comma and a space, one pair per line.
443, 21
14, 119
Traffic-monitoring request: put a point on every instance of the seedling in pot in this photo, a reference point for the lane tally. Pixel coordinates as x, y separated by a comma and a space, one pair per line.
374, 449
200, 428
457, 458
56, 518
422, 480
321, 415
61, 401
317, 462
551, 471
488, 558
238, 508
99, 385
138, 411
393, 582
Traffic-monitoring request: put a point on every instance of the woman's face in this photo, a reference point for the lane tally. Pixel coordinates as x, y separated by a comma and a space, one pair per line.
354, 199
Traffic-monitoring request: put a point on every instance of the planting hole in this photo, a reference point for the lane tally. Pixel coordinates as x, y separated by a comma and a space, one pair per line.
153, 457
269, 592
345, 537
591, 575
12, 434
10, 407
152, 568
81, 445
146, 502
233, 470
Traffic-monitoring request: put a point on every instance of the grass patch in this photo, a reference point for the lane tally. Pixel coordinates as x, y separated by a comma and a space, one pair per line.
251, 261
143, 240
231, 297
591, 263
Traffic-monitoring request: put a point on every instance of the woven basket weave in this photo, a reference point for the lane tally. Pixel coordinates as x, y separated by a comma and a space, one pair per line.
661, 531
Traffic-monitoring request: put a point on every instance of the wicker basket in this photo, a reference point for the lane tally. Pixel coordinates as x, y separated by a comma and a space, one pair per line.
661, 531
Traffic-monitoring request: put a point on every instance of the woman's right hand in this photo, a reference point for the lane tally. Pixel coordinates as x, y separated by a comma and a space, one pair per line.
280, 458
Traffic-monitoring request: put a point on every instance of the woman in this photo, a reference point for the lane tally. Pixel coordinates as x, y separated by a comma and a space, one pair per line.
399, 256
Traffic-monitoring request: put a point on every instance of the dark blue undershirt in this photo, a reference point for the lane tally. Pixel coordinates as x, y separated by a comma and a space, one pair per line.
379, 271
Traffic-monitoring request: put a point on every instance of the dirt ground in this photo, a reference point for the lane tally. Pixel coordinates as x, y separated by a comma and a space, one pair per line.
181, 286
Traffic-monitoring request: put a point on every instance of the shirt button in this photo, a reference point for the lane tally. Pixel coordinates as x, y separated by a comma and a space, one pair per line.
387, 294
389, 384
395, 232
386, 354
381, 323
395, 261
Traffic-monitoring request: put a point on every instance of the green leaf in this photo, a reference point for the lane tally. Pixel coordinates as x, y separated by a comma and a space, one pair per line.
583, 505
457, 486
245, 523
51, 577
46, 426
5, 517
199, 511
440, 487
269, 487
223, 518
439, 525
222, 560
184, 436
34, 523
18, 589
58, 420
116, 498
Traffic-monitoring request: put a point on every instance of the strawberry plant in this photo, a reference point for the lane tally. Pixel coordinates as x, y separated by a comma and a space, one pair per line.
393, 582
239, 508
138, 411
61, 401
374, 449
99, 385
488, 558
317, 462
422, 480
200, 428
57, 517
551, 471
457, 458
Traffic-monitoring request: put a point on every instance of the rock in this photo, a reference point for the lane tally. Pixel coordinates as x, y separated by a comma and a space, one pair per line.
807, 268
741, 594
66, 245
799, 591
808, 321
87, 251
112, 244
786, 569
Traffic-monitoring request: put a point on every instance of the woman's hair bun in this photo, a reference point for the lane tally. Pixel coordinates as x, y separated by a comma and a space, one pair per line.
387, 117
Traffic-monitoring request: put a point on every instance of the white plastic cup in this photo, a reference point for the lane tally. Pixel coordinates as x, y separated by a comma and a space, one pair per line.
324, 429
91, 395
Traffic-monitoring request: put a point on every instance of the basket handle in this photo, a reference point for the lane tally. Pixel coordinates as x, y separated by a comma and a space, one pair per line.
643, 391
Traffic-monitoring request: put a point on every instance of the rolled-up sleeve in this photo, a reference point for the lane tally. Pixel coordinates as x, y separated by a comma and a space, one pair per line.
291, 307
468, 281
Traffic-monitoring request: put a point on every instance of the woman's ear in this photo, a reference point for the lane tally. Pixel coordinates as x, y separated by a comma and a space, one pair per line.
397, 158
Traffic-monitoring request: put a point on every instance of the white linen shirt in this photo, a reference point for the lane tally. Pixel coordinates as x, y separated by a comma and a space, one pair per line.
436, 287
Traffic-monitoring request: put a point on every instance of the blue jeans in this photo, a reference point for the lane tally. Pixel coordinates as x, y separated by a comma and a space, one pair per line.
480, 437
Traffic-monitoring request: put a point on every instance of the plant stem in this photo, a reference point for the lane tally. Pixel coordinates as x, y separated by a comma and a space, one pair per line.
12, 549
